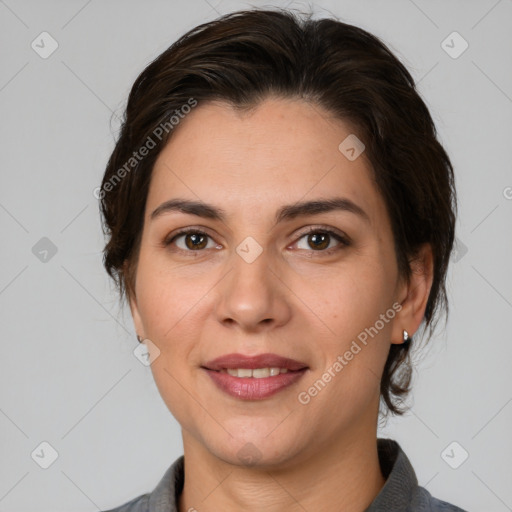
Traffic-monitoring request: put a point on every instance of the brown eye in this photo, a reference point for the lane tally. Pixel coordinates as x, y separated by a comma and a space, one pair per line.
319, 240
194, 240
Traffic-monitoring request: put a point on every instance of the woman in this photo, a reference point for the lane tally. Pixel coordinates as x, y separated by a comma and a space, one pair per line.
280, 217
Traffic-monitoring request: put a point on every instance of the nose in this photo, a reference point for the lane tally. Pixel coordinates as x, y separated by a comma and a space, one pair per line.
253, 297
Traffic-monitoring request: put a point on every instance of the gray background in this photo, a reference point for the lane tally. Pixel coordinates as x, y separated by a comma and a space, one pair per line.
68, 373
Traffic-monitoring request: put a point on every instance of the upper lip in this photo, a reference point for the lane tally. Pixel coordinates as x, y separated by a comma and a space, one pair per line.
268, 360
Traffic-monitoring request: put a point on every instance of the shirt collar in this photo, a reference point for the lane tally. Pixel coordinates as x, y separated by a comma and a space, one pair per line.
396, 494
401, 483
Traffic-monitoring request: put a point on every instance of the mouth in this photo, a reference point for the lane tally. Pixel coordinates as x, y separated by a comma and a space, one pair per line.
254, 377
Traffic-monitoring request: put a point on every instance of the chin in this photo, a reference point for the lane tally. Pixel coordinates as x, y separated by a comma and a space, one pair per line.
264, 446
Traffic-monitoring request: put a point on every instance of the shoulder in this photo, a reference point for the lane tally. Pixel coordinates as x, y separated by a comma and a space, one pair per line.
138, 504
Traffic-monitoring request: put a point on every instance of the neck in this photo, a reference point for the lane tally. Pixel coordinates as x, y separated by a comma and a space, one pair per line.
345, 476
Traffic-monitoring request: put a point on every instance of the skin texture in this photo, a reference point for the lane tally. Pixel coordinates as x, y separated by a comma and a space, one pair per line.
294, 300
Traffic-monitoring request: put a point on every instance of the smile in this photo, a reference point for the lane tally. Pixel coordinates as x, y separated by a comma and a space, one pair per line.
254, 377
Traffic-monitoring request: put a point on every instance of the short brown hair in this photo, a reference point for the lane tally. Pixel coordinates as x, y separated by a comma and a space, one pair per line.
246, 56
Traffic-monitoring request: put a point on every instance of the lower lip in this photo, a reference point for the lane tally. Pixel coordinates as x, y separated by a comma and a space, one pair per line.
250, 388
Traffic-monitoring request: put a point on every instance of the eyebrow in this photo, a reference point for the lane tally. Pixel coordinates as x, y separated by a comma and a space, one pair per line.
285, 213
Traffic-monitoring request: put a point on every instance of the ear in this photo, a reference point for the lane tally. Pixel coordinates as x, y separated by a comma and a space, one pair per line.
413, 295
134, 308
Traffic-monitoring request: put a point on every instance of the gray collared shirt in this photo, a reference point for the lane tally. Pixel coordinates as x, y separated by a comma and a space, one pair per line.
400, 493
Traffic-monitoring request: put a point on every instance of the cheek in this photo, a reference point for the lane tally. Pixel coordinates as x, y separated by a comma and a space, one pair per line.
353, 298
173, 304
166, 296
353, 353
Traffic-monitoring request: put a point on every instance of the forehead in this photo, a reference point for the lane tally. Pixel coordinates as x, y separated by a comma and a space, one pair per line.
280, 152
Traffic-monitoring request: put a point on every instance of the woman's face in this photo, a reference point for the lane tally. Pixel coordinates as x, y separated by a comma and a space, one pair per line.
256, 282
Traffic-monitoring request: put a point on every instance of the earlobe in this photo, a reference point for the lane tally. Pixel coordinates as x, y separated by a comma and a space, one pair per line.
416, 293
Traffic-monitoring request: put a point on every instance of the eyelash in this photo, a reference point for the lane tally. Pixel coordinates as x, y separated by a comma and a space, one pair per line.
344, 241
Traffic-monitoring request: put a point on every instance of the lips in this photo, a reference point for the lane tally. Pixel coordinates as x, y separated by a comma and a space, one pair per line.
245, 377
232, 361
